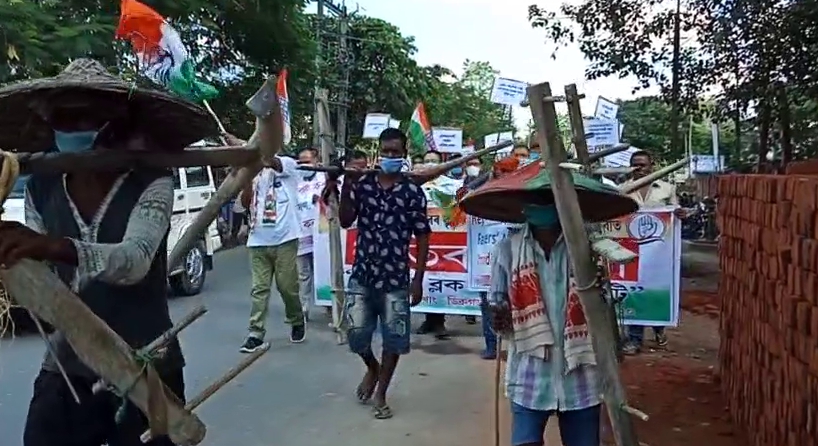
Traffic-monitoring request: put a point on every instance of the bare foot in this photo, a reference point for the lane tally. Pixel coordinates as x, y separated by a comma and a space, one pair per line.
367, 386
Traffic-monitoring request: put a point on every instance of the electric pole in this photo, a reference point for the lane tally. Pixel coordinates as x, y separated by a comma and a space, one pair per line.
339, 86
319, 28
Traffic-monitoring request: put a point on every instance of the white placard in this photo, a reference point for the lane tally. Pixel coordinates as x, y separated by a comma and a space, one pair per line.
621, 159
374, 124
448, 139
706, 164
508, 91
394, 123
468, 149
497, 138
606, 109
605, 132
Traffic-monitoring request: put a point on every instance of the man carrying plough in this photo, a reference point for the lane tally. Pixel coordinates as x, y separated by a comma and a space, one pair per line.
105, 235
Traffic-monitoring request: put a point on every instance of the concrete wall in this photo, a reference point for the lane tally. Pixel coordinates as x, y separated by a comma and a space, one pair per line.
768, 254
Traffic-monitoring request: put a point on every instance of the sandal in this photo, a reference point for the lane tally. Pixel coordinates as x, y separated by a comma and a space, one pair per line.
382, 412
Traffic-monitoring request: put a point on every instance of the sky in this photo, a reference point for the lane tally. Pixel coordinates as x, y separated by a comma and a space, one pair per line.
447, 32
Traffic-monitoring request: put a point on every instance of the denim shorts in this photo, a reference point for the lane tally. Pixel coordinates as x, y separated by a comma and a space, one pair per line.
577, 427
366, 307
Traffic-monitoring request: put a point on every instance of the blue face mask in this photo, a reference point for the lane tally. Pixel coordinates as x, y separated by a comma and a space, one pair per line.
542, 217
391, 165
456, 172
70, 142
534, 156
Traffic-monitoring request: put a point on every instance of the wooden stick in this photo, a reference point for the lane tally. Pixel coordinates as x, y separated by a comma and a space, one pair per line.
203, 396
155, 347
335, 252
267, 140
37, 288
650, 178
106, 160
565, 197
607, 152
581, 147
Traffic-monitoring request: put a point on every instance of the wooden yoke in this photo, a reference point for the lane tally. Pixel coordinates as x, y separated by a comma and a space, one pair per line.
34, 286
585, 271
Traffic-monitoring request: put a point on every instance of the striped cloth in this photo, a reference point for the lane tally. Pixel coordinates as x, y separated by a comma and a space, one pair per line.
530, 381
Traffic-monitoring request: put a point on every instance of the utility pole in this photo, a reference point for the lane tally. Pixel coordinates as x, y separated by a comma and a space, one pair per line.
346, 62
675, 88
319, 28
339, 85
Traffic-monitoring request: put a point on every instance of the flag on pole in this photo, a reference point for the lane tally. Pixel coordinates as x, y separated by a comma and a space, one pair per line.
420, 131
162, 56
284, 100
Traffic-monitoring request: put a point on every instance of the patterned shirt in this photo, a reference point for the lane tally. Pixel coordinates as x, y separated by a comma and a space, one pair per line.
127, 262
532, 382
387, 218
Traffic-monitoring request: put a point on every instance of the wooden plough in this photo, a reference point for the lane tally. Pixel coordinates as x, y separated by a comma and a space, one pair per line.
33, 286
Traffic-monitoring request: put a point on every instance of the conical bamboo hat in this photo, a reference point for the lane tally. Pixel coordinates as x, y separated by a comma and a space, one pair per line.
503, 199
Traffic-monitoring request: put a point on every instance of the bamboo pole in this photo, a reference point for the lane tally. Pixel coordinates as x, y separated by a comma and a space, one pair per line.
335, 253
581, 147
565, 197
650, 178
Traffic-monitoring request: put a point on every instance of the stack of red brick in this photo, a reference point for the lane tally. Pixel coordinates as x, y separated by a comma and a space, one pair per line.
768, 253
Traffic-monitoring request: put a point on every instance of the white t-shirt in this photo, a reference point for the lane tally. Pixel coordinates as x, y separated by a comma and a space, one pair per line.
284, 185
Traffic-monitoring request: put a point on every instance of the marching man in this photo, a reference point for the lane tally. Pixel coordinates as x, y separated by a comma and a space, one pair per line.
389, 209
551, 367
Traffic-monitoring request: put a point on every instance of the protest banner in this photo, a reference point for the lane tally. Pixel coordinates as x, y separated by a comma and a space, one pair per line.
483, 235
448, 139
647, 287
309, 191
446, 278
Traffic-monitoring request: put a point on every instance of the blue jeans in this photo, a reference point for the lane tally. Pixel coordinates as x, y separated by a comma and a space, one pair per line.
488, 333
636, 333
577, 427
366, 307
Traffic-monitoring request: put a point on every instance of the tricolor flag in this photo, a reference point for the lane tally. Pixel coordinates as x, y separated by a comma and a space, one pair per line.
420, 132
162, 57
284, 100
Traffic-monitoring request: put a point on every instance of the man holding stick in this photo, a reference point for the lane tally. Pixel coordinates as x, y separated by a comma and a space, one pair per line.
656, 194
389, 208
106, 236
551, 367
272, 201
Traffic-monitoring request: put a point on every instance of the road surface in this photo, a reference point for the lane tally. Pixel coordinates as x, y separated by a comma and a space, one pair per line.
297, 395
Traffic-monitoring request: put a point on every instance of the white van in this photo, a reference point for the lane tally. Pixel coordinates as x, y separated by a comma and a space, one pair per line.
193, 187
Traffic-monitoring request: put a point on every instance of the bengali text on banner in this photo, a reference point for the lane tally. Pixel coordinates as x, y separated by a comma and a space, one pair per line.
446, 279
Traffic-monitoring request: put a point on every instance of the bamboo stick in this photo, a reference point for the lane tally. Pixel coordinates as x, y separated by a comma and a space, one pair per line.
581, 146
565, 197
335, 252
210, 390
102, 160
650, 178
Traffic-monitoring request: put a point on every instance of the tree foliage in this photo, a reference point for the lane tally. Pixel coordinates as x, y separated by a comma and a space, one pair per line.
756, 57
238, 43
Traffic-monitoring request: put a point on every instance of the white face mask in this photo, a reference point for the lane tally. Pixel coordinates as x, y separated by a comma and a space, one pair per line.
472, 171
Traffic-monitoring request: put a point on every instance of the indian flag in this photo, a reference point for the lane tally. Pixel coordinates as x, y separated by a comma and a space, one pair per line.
420, 132
284, 100
162, 57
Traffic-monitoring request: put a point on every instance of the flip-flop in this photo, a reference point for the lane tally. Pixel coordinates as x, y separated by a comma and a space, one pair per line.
382, 412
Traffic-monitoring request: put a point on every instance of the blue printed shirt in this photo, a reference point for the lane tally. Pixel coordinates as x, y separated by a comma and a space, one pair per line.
387, 219
530, 381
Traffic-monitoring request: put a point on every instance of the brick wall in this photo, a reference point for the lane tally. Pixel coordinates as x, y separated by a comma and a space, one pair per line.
768, 254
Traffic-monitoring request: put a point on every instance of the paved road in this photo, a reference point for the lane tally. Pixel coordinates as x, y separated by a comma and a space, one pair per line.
298, 395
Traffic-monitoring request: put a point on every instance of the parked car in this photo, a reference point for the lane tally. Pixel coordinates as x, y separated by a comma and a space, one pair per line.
193, 187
